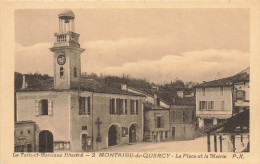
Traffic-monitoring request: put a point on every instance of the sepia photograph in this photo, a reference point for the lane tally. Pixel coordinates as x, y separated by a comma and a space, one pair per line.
129, 82
132, 80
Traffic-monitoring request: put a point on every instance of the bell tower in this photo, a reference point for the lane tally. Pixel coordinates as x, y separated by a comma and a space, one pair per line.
66, 53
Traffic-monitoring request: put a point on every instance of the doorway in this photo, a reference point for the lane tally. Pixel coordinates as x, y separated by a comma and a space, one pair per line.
132, 134
173, 133
45, 141
112, 136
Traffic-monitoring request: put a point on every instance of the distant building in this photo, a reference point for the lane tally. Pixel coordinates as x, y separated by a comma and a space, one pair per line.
220, 99
24, 136
164, 120
75, 114
183, 119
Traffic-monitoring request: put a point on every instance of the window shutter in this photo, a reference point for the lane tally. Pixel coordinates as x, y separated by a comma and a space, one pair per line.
125, 106
162, 122
117, 106
155, 122
134, 106
37, 107
88, 105
136, 111
50, 107
111, 106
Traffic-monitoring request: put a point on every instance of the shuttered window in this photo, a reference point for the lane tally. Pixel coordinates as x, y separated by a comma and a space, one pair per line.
112, 106
159, 122
125, 106
88, 105
43, 107
136, 109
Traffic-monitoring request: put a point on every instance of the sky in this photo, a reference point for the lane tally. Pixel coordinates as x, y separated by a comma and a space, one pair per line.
160, 45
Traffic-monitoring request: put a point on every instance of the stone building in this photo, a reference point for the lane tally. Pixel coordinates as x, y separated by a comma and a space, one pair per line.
164, 120
182, 119
24, 136
220, 99
75, 114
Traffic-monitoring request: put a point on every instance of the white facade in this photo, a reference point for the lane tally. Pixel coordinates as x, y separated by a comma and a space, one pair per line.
213, 104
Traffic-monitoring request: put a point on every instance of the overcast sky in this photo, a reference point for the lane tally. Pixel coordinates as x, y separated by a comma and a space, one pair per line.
156, 44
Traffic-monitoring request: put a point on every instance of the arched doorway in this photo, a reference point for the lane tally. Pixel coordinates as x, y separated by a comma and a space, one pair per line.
45, 141
132, 134
112, 136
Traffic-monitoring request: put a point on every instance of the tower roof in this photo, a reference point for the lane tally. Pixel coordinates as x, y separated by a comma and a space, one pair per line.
67, 14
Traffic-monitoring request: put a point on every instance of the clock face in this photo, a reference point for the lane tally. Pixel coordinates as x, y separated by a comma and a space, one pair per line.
61, 59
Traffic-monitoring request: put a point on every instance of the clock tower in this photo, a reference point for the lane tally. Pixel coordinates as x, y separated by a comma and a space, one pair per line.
66, 54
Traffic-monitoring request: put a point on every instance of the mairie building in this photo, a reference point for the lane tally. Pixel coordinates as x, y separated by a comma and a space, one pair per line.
68, 113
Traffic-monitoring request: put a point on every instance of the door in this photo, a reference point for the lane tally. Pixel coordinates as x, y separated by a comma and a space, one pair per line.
173, 133
132, 134
112, 136
45, 141
84, 142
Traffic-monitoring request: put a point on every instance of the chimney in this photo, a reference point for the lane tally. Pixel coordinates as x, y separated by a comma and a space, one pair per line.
180, 94
124, 87
173, 100
24, 84
156, 100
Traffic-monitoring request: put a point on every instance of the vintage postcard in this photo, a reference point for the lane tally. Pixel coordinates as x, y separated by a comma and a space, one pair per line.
119, 81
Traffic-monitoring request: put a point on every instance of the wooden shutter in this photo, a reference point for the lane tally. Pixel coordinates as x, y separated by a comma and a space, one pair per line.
155, 122
50, 107
162, 122
120, 106
125, 106
111, 107
88, 105
37, 107
136, 110
117, 106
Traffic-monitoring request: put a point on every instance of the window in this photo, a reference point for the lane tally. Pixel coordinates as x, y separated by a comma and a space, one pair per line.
240, 95
84, 128
124, 131
84, 105
29, 131
159, 122
88, 100
193, 116
44, 104
210, 105
203, 105
221, 90
21, 132
136, 109
183, 116
222, 104
43, 107
125, 106
172, 116
75, 72
132, 106
118, 106
61, 72
112, 106
203, 91
166, 134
